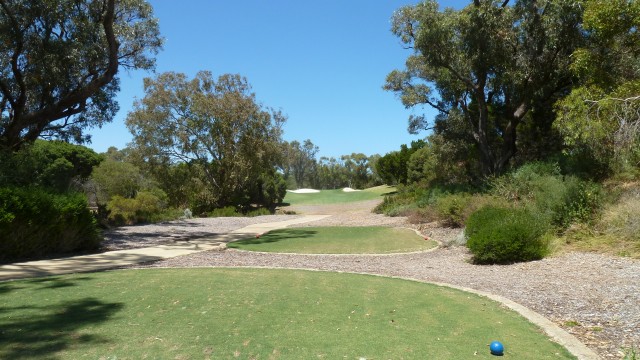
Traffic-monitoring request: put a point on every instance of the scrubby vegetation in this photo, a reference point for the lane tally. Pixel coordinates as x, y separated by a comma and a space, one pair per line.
35, 222
500, 235
580, 213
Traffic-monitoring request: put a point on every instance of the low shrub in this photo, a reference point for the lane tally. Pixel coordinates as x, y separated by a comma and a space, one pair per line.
562, 199
258, 212
501, 235
146, 206
36, 223
227, 211
582, 201
453, 209
232, 211
397, 204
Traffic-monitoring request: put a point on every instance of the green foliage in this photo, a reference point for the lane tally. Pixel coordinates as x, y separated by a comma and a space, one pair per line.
258, 212
231, 211
357, 170
60, 60
631, 353
449, 205
55, 165
453, 209
273, 189
604, 125
35, 222
563, 200
486, 69
227, 211
142, 208
393, 167
299, 161
500, 235
117, 178
422, 166
216, 127
599, 120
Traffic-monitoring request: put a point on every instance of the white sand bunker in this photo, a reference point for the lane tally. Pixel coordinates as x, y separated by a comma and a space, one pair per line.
304, 191
348, 189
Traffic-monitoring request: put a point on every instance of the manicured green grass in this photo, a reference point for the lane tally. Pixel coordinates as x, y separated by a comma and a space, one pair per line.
337, 240
255, 314
337, 196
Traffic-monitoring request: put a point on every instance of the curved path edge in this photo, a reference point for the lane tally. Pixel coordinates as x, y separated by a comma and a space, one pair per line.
118, 258
557, 334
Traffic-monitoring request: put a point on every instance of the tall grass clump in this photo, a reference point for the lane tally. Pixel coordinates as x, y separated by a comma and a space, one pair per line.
500, 235
35, 222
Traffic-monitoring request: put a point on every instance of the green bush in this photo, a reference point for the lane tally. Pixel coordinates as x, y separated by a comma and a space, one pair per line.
500, 235
227, 211
36, 223
144, 207
452, 208
399, 203
563, 200
231, 211
259, 212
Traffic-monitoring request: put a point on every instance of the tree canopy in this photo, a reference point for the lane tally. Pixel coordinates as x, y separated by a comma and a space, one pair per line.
59, 61
600, 119
487, 69
216, 126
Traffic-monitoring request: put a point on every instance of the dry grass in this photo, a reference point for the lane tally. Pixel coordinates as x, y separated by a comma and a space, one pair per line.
616, 232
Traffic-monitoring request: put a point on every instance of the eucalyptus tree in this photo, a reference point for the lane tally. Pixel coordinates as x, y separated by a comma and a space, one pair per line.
492, 66
216, 127
59, 61
300, 161
600, 119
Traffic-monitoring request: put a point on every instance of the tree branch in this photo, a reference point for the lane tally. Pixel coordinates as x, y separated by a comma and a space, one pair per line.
18, 104
76, 97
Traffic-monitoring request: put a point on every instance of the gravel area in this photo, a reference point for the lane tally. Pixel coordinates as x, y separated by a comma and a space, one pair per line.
595, 297
132, 237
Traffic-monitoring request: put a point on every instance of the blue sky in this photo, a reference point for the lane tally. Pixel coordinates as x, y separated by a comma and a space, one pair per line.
323, 63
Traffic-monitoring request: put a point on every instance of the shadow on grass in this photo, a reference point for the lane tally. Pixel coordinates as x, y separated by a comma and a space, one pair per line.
52, 329
57, 283
44, 282
275, 236
7, 287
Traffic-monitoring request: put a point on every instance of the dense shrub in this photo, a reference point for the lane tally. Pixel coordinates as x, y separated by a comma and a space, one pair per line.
500, 235
54, 165
35, 223
563, 200
142, 208
454, 210
227, 211
398, 204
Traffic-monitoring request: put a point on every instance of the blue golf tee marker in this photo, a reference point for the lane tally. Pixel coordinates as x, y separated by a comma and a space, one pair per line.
496, 348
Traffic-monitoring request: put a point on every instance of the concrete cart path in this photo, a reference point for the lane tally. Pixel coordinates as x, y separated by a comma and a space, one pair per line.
118, 258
